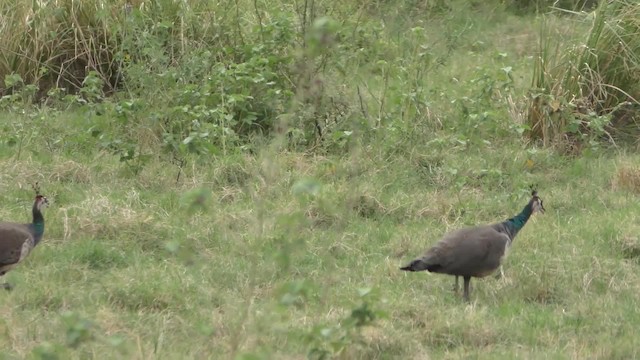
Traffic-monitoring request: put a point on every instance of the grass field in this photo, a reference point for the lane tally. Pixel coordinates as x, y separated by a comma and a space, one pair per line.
282, 253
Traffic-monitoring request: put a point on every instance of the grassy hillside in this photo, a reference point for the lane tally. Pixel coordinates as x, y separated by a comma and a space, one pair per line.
177, 231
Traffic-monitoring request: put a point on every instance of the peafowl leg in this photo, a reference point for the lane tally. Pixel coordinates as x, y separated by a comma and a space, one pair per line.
467, 280
6, 285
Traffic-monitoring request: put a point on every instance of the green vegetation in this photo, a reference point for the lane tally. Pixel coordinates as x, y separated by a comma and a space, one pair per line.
589, 88
243, 180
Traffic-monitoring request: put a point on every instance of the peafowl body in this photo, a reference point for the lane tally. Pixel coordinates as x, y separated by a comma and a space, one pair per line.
17, 240
475, 251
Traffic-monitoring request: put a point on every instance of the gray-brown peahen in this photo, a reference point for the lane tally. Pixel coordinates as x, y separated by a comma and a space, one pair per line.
475, 251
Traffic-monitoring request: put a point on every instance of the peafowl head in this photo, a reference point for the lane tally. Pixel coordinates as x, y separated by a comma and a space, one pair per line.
41, 201
536, 203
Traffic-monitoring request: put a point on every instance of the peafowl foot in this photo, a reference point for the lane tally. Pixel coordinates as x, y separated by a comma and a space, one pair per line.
7, 286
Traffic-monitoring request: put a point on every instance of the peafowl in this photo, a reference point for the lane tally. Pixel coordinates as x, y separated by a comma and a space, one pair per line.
17, 240
475, 251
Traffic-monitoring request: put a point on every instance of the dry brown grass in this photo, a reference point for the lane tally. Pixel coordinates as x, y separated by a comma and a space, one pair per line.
627, 177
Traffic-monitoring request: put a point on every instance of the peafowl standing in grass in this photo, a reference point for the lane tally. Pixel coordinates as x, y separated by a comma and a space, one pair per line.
475, 251
17, 240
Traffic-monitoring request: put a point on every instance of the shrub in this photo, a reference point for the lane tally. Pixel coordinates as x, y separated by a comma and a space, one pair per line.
578, 91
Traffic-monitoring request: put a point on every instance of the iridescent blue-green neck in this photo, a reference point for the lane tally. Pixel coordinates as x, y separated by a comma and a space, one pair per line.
516, 223
38, 224
38, 228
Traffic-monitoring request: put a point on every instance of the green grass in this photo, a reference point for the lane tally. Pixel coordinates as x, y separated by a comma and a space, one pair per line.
274, 253
570, 288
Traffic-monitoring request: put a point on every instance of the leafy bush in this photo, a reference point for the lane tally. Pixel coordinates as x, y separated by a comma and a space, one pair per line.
180, 79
